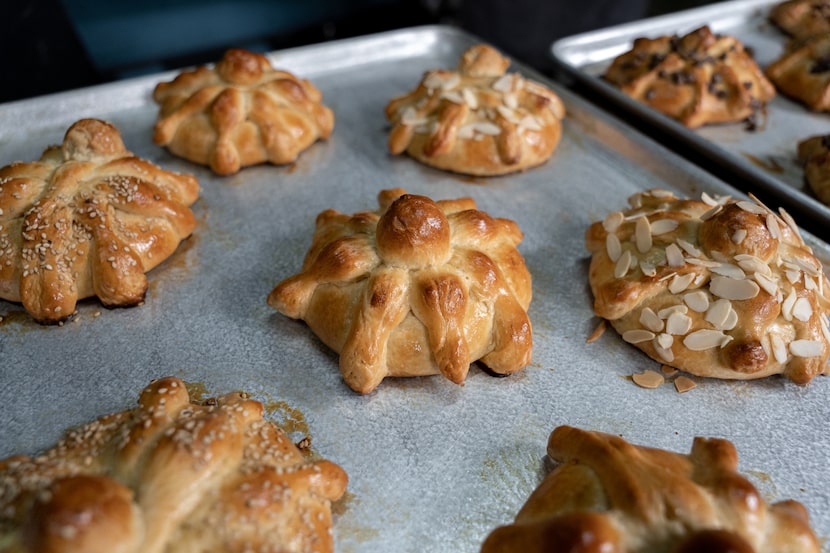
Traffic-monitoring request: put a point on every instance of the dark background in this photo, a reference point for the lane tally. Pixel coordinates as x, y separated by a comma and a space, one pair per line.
54, 45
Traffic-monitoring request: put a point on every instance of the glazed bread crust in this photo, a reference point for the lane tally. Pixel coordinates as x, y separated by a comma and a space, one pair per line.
88, 219
802, 18
814, 154
478, 120
170, 476
609, 496
718, 288
698, 79
418, 287
240, 112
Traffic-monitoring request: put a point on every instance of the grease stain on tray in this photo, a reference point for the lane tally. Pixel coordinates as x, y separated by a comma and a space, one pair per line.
769, 164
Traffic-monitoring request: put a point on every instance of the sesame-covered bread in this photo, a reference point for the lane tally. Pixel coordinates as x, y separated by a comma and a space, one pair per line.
697, 79
87, 219
171, 475
814, 154
608, 495
803, 72
240, 112
418, 287
718, 288
802, 18
478, 120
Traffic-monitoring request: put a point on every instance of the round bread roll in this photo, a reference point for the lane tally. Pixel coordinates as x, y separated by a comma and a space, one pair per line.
418, 287
478, 120
718, 288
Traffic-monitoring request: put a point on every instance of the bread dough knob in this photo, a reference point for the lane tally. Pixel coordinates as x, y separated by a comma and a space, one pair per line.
414, 233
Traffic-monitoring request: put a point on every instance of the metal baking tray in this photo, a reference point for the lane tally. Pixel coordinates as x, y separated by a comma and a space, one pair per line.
767, 158
433, 466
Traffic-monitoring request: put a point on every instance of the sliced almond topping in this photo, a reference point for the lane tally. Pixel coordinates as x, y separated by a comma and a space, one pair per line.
642, 233
718, 313
684, 384
665, 354
752, 264
793, 275
708, 263
508, 114
678, 323
666, 312
729, 270
707, 199
810, 283
599, 330
650, 320
613, 221
689, 248
466, 131
637, 336
802, 310
733, 289
731, 320
751, 207
788, 305
772, 226
711, 213
738, 236
791, 223
680, 283
470, 98
704, 339
674, 256
453, 96
660, 193
665, 341
510, 100
667, 370
806, 348
623, 264
807, 267
648, 379
613, 247
779, 349
485, 127
503, 83
663, 226
698, 301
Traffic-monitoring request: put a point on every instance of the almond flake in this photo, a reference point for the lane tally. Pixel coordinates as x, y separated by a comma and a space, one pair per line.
683, 384
613, 221
674, 256
642, 233
660, 193
729, 270
469, 98
733, 289
453, 96
750, 207
718, 313
689, 248
791, 223
508, 114
663, 226
664, 340
623, 264
666, 312
667, 370
731, 320
613, 247
637, 336
772, 226
788, 305
648, 379
711, 213
678, 323
702, 262
708, 200
665, 354
806, 348
466, 131
648, 269
779, 349
738, 236
504, 83
485, 127
650, 320
680, 283
698, 301
704, 339
802, 310
752, 264
599, 330
793, 275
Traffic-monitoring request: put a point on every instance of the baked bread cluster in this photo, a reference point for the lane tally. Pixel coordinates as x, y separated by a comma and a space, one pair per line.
802, 18
718, 287
478, 120
803, 71
609, 495
87, 219
418, 287
696, 79
814, 154
171, 475
240, 112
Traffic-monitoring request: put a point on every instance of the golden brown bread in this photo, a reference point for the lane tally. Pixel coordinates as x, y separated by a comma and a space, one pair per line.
417, 287
171, 475
478, 120
240, 112
87, 219
802, 18
814, 154
609, 496
803, 72
719, 288
697, 79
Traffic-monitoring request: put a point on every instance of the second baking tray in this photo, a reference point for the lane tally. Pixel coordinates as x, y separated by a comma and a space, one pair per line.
766, 159
433, 467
